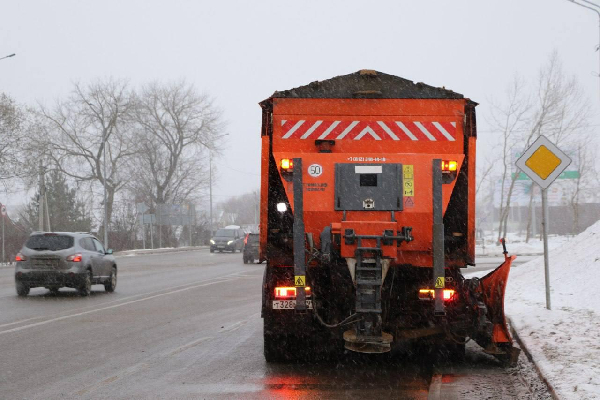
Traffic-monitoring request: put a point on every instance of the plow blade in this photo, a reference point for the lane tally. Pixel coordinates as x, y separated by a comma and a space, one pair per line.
498, 340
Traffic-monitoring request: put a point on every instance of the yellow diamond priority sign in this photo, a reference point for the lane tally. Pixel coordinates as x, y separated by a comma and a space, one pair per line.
543, 162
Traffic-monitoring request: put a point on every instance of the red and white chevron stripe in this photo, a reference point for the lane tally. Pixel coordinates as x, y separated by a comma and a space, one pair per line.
369, 130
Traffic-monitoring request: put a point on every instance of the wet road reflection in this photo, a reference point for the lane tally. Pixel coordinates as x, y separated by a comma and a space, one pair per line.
352, 376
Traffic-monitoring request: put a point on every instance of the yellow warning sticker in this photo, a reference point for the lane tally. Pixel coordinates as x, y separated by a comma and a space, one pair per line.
440, 282
408, 178
409, 187
300, 280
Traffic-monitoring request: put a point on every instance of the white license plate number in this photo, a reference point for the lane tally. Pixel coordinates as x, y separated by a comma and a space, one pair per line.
289, 304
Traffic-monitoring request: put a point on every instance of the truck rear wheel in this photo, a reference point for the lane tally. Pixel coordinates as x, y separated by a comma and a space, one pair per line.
273, 348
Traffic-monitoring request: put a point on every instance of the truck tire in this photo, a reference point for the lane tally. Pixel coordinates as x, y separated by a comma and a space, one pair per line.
273, 345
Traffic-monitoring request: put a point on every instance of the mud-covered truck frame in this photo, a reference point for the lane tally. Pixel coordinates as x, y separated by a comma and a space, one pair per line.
368, 217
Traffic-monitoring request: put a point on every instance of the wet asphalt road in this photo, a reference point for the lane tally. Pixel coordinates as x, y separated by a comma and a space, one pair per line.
187, 325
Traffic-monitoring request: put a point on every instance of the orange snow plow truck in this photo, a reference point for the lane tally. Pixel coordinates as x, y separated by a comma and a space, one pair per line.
367, 218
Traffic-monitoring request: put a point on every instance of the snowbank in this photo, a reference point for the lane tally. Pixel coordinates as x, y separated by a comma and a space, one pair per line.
564, 341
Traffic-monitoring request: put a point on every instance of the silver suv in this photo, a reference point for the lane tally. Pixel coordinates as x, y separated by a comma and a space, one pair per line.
64, 259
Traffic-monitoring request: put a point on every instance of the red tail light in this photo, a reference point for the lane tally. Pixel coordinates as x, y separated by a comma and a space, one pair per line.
20, 257
288, 292
429, 294
75, 257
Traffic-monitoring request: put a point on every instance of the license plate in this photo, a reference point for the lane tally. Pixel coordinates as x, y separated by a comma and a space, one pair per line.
220, 247
289, 304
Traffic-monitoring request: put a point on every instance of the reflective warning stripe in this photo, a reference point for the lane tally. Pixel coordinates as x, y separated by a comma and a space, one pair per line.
433, 131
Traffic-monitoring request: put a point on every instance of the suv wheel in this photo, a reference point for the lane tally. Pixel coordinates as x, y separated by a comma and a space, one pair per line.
54, 290
86, 286
22, 289
111, 284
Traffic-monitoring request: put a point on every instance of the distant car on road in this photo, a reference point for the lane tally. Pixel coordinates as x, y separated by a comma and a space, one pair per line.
230, 238
64, 259
250, 248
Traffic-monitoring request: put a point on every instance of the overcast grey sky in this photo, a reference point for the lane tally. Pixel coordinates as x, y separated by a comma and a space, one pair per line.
241, 51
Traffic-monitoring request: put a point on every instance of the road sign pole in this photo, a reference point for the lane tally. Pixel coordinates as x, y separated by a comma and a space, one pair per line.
143, 232
3, 258
545, 220
151, 236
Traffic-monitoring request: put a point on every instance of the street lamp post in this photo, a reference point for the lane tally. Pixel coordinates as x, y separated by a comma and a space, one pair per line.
10, 55
210, 191
105, 197
598, 13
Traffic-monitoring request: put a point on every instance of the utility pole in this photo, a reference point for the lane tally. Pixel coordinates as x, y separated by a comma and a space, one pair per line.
41, 197
151, 234
190, 222
105, 197
3, 215
47, 211
210, 190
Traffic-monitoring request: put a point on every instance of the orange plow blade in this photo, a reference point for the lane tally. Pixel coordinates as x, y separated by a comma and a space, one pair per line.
498, 341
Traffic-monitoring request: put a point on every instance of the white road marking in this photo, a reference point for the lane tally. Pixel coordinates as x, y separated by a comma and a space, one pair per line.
240, 274
222, 279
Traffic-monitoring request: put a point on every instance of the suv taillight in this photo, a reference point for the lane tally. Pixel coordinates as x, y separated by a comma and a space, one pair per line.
20, 257
74, 257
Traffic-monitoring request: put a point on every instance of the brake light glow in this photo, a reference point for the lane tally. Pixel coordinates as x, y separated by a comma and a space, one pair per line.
449, 166
429, 294
20, 257
75, 257
288, 292
287, 164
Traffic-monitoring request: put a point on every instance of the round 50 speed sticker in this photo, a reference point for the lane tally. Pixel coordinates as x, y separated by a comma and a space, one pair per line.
315, 170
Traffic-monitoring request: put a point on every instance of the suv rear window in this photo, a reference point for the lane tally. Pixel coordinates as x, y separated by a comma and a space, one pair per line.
49, 242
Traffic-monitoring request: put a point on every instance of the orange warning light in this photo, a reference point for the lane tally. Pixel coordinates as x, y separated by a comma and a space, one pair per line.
287, 164
449, 166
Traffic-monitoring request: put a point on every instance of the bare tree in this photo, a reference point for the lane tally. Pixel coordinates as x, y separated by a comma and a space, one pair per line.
11, 134
557, 109
584, 167
88, 137
561, 112
509, 121
177, 127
